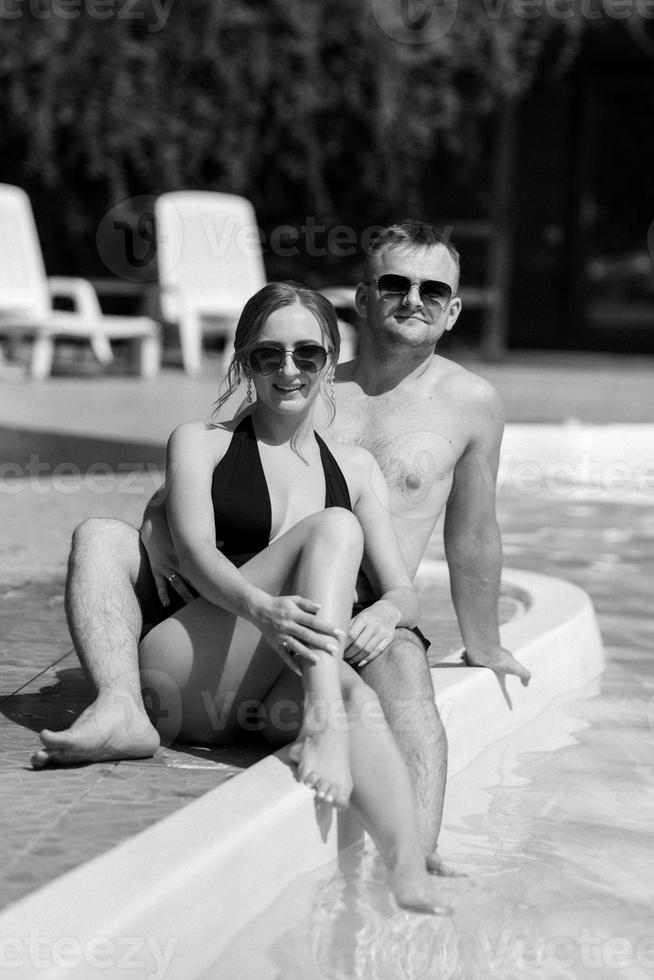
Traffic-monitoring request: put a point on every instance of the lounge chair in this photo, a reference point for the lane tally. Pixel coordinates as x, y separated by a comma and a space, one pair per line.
210, 262
26, 295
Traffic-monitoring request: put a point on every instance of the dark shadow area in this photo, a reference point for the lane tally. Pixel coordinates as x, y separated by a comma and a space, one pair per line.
57, 705
27, 448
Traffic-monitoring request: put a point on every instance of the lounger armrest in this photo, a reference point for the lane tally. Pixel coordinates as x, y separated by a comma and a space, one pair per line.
80, 291
342, 297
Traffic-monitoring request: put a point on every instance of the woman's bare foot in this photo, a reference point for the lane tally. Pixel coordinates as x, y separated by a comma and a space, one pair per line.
323, 764
114, 727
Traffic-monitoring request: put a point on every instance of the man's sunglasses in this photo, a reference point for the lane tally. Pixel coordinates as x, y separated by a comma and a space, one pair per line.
269, 358
432, 292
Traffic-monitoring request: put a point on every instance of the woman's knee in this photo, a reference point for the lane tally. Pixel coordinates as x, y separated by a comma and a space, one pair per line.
339, 526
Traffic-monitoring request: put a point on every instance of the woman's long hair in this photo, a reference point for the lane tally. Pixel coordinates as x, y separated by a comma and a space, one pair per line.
256, 311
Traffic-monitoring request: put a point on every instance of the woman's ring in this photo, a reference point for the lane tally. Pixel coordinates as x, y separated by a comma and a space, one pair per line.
173, 576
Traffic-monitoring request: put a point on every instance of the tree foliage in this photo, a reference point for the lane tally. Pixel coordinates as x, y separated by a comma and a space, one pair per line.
306, 107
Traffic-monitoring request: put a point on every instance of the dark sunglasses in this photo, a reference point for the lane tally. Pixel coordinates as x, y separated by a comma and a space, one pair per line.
432, 292
269, 358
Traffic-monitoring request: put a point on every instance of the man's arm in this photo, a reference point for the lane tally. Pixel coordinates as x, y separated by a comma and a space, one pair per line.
473, 545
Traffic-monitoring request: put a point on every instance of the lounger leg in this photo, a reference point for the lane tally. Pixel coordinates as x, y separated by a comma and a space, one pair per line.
149, 356
42, 357
101, 348
190, 338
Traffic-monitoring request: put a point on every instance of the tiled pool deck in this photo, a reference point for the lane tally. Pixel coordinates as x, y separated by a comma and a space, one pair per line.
56, 819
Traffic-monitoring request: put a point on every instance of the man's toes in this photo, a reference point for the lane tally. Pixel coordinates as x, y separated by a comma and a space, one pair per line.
40, 759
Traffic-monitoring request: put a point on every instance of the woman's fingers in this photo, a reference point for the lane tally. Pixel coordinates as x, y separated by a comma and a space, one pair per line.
161, 583
291, 662
312, 638
314, 622
294, 650
180, 587
366, 646
167, 576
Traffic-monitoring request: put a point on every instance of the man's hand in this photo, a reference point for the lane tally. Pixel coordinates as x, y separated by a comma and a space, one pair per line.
500, 660
370, 633
158, 543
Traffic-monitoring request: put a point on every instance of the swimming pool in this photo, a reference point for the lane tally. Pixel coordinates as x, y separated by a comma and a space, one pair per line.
551, 823
553, 826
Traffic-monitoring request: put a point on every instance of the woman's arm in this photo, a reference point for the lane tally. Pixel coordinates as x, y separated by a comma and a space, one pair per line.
372, 630
189, 509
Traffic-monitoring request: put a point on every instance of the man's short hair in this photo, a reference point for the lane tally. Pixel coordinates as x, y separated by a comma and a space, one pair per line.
412, 235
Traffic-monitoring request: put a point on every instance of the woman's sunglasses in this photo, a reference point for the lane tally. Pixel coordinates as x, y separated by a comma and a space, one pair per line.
269, 358
432, 292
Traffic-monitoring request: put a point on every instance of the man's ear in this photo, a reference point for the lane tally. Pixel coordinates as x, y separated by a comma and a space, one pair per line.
453, 312
361, 299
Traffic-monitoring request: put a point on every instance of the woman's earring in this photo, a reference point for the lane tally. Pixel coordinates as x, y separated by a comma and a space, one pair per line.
332, 389
249, 391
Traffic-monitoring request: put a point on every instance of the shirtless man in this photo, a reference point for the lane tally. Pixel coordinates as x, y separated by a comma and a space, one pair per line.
435, 430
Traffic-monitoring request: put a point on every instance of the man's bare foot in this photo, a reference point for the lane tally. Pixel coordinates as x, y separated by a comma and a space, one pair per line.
323, 764
435, 866
502, 662
414, 889
114, 727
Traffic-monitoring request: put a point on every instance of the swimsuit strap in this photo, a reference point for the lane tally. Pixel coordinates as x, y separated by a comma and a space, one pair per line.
337, 493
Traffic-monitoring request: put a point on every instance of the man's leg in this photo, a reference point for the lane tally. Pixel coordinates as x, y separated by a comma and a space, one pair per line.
401, 679
106, 576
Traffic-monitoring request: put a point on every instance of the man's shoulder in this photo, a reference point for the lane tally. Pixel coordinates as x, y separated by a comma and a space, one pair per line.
467, 389
348, 454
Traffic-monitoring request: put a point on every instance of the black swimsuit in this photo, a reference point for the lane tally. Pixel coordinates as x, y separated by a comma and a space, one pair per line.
243, 512
241, 501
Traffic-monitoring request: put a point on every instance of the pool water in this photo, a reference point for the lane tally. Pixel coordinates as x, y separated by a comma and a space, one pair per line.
552, 826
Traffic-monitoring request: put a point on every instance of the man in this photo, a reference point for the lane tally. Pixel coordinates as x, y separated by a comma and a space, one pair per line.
435, 430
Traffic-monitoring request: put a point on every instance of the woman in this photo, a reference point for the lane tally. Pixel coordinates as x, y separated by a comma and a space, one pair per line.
271, 528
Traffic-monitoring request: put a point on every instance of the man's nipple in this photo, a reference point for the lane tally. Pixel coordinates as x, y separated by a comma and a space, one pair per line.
412, 481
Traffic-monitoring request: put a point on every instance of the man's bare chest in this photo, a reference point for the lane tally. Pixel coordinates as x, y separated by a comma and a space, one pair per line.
416, 445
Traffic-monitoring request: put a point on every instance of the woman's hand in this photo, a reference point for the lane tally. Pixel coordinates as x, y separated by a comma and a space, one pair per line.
293, 629
370, 633
158, 543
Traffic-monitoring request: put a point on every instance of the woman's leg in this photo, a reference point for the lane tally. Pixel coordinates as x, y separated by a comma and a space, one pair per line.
204, 670
382, 796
